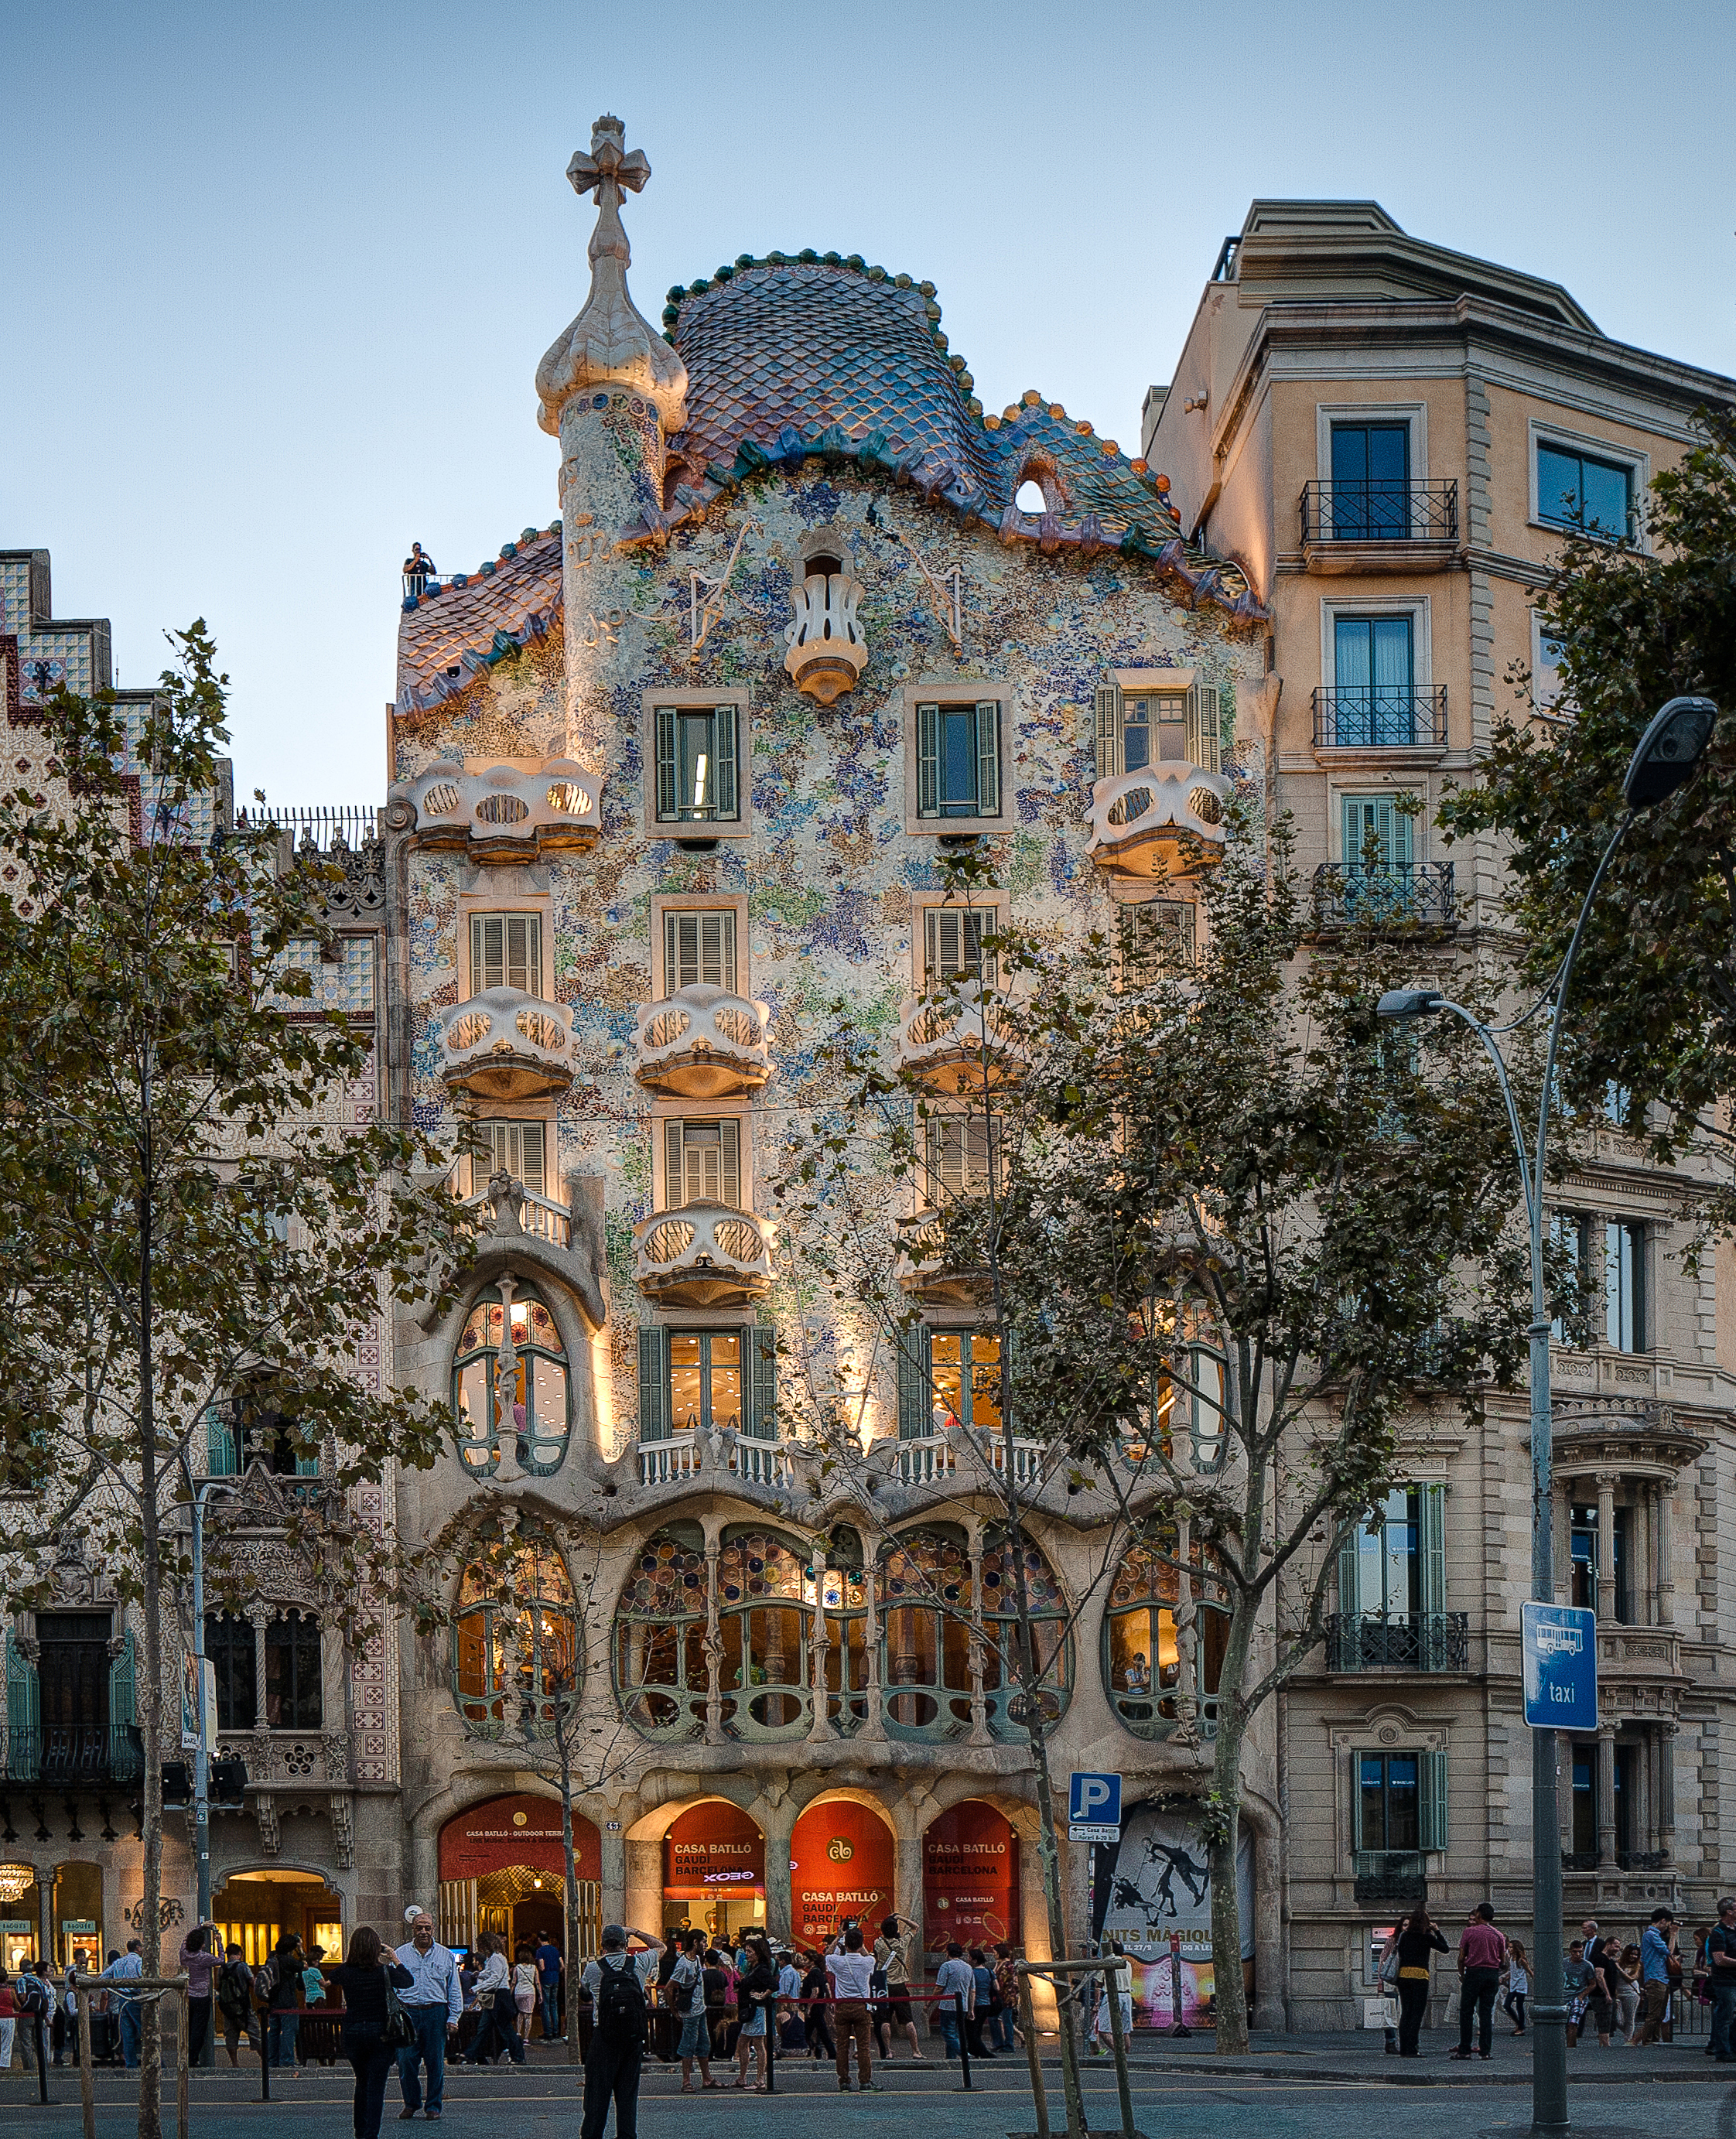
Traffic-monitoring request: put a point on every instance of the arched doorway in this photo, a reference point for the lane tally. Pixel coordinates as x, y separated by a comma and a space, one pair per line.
503, 1870
21, 1916
840, 1866
714, 1871
77, 1915
253, 1910
969, 1879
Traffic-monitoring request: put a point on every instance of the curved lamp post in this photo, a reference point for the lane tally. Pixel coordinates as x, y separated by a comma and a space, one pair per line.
1668, 754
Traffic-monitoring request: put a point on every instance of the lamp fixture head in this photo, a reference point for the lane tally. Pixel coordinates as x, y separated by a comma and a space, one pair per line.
1674, 742
1409, 1002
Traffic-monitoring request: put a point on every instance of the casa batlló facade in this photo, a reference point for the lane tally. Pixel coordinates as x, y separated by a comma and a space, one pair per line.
669, 775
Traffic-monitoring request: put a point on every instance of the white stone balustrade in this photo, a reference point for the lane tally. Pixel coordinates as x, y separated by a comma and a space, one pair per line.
828, 650
958, 1041
684, 1457
702, 1255
1167, 819
669, 1462
703, 1043
931, 1461
505, 1044
504, 814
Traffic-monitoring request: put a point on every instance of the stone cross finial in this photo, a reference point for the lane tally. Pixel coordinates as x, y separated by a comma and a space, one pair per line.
609, 344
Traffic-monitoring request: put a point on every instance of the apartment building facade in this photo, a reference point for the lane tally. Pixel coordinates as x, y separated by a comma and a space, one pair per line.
1392, 440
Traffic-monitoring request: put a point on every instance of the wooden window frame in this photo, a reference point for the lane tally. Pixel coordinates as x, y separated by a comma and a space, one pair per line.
738, 827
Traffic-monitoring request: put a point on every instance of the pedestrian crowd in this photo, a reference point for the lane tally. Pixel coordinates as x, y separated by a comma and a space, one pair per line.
1620, 1991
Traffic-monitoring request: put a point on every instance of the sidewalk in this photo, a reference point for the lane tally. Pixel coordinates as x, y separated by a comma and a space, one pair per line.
1359, 2054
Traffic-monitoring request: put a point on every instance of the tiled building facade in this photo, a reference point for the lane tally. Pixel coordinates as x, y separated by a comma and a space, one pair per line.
673, 772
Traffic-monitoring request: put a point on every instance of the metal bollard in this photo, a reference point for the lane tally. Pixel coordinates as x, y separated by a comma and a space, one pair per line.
964, 2044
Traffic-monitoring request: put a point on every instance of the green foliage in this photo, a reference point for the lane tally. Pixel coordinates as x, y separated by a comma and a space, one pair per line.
1654, 1005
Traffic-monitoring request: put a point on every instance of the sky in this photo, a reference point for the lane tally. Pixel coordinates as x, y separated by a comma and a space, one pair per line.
280, 272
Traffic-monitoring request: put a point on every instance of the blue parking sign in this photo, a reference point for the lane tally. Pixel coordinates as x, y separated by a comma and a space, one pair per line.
1558, 1651
1095, 1800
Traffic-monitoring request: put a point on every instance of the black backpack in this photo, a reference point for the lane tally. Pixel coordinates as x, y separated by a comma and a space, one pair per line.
620, 2004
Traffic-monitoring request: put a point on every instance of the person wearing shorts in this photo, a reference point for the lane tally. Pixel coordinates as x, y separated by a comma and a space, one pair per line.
685, 1991
892, 1951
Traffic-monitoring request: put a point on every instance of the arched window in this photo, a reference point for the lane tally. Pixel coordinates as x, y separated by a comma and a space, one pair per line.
926, 1599
660, 1660
1142, 1647
844, 1600
515, 1642
765, 1590
505, 1324
1048, 1609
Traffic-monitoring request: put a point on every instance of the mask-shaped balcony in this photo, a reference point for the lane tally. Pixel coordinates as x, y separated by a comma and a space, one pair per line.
957, 1042
503, 814
828, 651
703, 1043
505, 1044
1166, 819
702, 1255
927, 1274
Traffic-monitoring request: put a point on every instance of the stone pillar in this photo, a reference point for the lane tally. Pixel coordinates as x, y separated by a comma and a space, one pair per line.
1666, 1791
780, 1833
908, 1882
258, 1614
1666, 1570
611, 1896
1606, 1548
1606, 1796
642, 1898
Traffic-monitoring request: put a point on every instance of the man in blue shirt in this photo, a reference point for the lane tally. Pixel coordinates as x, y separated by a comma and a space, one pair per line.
1721, 1968
1657, 1950
130, 1965
433, 2000
549, 1966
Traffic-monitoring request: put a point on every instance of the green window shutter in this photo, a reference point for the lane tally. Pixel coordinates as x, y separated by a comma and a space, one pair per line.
1109, 730
664, 719
1431, 1543
928, 760
915, 1414
1348, 1602
761, 1347
723, 742
1433, 1811
123, 1687
1202, 726
220, 1451
23, 1714
988, 758
308, 1466
1356, 1801
653, 1384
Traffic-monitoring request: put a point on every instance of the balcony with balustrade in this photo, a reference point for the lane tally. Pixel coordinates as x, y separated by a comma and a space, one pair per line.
1398, 1641
505, 813
1165, 819
507, 1044
684, 1460
704, 1253
1368, 717
958, 1042
959, 1458
1412, 899
1375, 527
703, 1043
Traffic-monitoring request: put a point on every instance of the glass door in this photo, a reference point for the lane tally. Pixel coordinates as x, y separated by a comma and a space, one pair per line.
1370, 482
1375, 695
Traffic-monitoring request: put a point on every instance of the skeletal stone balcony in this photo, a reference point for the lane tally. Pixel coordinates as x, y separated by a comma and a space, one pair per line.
1166, 819
826, 651
704, 1255
927, 1274
958, 1042
703, 1043
505, 1044
504, 814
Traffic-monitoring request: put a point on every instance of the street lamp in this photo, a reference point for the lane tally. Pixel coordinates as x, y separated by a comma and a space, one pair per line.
1670, 749
201, 1757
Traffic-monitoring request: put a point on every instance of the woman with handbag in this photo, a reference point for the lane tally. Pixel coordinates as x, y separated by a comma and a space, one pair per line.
376, 2027
494, 1999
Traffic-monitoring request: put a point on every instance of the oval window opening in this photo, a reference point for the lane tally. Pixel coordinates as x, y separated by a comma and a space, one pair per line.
1030, 498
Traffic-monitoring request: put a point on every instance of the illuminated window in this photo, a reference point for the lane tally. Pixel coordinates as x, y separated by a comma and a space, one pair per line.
697, 759
540, 1403
1142, 1656
515, 1641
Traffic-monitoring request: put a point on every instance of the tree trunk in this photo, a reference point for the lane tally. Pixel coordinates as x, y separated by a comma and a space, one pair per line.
149, 1705
1226, 1913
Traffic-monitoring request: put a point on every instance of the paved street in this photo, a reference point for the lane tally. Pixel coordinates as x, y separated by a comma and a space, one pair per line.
1288, 2088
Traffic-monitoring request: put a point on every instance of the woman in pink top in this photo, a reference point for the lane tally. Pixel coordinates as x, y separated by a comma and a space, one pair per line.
198, 1961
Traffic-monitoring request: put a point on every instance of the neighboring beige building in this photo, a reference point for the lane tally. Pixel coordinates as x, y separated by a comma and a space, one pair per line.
1390, 439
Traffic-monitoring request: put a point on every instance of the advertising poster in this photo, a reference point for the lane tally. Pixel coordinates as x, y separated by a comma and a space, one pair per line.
1156, 1880
840, 1865
503, 1833
714, 1851
969, 1879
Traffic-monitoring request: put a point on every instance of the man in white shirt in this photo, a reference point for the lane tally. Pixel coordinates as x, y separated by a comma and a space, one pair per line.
955, 1978
433, 2000
612, 2065
851, 1973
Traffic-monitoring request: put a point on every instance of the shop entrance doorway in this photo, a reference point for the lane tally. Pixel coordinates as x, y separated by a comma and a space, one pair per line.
970, 1879
253, 1910
840, 1868
21, 1917
502, 1870
714, 1871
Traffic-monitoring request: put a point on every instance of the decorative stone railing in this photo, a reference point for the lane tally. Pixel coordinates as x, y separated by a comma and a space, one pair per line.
685, 1457
504, 814
538, 1216
936, 1459
703, 1043
828, 651
702, 1255
925, 1274
957, 1042
1167, 819
505, 1044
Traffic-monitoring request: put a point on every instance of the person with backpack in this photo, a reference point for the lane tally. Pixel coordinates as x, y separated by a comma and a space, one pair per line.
234, 1996
685, 1993
35, 2002
616, 1981
282, 2001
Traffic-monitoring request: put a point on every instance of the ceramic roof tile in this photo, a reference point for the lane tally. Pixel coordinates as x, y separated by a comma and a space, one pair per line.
449, 633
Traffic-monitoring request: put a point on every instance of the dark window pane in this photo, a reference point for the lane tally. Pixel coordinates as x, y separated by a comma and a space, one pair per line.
1388, 453
958, 762
1557, 484
1350, 452
1604, 505
1404, 1826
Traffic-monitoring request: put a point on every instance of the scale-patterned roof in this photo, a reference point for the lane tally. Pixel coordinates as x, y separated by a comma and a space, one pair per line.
464, 622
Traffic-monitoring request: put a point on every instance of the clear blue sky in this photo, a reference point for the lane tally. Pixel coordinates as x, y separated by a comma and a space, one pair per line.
279, 276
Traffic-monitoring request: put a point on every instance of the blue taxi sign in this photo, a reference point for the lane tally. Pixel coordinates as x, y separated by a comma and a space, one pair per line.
1558, 1654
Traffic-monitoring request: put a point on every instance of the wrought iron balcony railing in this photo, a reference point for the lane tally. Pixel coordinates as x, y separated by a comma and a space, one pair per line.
1413, 895
1380, 716
64, 1758
1380, 512
1397, 1640
1390, 1877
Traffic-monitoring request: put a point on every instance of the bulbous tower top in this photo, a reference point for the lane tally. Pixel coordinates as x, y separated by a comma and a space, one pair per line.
609, 344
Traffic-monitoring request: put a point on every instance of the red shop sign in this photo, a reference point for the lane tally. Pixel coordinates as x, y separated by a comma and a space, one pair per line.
969, 1879
713, 1849
841, 1865
503, 1832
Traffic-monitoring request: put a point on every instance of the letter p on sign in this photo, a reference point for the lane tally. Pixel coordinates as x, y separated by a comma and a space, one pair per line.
1096, 1799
